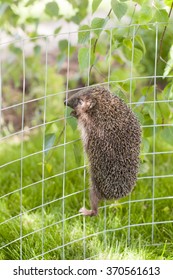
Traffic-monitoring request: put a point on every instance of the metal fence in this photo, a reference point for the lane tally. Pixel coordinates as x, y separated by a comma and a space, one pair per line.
25, 121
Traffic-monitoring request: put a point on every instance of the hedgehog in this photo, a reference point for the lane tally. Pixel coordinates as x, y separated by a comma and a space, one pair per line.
111, 136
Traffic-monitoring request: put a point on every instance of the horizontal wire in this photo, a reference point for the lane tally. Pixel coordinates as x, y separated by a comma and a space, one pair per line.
105, 83
45, 179
75, 169
77, 215
79, 31
40, 206
143, 245
103, 232
39, 152
82, 191
81, 167
71, 142
27, 129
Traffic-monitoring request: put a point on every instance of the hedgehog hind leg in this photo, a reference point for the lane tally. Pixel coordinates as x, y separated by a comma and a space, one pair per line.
94, 205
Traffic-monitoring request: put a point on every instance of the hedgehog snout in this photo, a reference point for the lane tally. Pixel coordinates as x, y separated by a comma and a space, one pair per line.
71, 102
66, 102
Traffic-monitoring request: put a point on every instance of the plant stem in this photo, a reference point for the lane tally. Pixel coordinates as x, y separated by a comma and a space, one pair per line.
95, 43
163, 34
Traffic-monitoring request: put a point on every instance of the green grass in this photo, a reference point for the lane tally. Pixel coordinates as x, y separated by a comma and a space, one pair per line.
66, 234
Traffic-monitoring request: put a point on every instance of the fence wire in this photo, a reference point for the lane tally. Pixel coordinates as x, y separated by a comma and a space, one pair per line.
38, 126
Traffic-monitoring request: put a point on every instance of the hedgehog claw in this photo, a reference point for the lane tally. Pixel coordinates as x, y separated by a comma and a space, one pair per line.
86, 212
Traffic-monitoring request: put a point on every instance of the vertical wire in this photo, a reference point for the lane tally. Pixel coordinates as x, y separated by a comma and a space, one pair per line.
65, 141
130, 101
109, 72
110, 52
154, 132
43, 147
84, 172
21, 150
0, 89
89, 13
84, 218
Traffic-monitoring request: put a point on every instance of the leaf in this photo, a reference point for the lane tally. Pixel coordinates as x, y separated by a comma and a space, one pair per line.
149, 108
37, 50
169, 64
98, 24
161, 15
168, 2
128, 43
144, 168
52, 9
81, 6
51, 125
48, 167
84, 34
71, 121
163, 112
49, 142
95, 5
63, 45
148, 131
85, 58
73, 3
30, 2
119, 8
137, 56
145, 145
147, 91
168, 68
167, 134
57, 30
171, 52
168, 93
141, 43
145, 14
140, 116
77, 153
128, 51
15, 50
141, 101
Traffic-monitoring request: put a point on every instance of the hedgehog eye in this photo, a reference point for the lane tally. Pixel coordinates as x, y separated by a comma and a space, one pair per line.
80, 101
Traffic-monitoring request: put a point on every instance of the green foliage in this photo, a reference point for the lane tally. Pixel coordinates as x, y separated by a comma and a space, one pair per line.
52, 9
49, 141
145, 15
168, 2
80, 13
128, 54
169, 65
167, 135
85, 58
131, 52
98, 24
116, 212
119, 8
84, 34
161, 16
95, 5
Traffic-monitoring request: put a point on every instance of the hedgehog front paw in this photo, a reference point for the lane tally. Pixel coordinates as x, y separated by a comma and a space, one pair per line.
86, 212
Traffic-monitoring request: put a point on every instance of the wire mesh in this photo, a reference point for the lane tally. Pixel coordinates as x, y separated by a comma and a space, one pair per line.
37, 158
